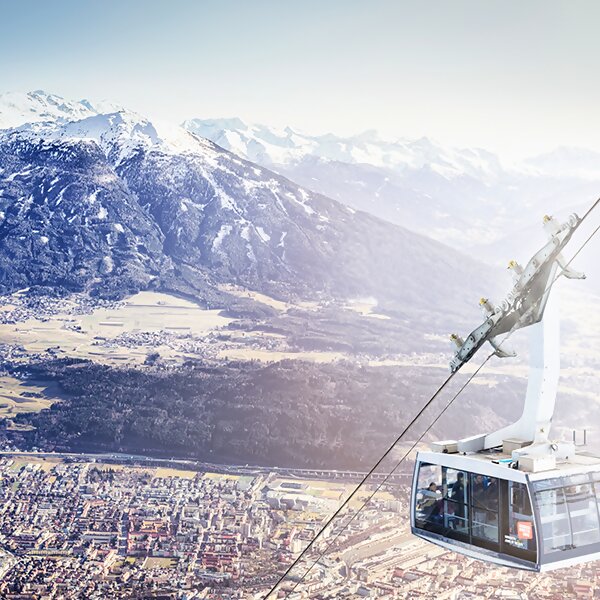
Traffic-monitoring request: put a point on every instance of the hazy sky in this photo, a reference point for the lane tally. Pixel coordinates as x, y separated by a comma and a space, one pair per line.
513, 76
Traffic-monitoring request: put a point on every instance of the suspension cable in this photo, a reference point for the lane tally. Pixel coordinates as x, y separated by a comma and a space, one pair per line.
360, 484
387, 477
414, 445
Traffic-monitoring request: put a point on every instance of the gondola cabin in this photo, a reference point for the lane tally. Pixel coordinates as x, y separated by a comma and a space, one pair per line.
482, 506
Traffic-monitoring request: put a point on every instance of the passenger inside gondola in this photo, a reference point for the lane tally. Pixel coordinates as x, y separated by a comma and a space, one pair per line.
466, 509
429, 505
429, 498
454, 501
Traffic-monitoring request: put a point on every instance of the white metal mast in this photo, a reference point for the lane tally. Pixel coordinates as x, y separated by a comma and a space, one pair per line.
529, 303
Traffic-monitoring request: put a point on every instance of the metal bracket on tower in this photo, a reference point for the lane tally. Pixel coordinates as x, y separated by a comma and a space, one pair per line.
528, 304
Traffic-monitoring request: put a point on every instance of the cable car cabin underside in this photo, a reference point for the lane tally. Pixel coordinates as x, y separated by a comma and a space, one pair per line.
481, 506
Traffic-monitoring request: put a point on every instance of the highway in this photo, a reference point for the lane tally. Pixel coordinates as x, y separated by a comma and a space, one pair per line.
207, 467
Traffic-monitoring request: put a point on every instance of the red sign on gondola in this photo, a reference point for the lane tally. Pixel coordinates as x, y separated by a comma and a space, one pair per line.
525, 530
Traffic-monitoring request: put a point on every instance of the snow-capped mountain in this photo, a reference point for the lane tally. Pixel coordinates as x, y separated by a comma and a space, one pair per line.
113, 202
271, 146
18, 108
118, 134
463, 197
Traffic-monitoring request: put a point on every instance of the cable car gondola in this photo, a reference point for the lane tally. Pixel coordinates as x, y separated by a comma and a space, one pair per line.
513, 497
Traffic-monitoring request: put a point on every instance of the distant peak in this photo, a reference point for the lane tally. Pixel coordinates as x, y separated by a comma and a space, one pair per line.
424, 141
40, 93
18, 108
87, 104
226, 123
43, 95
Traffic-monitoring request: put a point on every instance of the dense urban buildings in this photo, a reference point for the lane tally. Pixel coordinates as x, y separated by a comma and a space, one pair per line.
78, 528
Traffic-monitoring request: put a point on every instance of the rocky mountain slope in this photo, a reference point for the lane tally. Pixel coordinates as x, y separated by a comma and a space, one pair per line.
113, 202
466, 198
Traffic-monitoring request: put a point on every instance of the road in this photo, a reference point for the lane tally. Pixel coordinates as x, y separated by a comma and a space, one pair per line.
132, 459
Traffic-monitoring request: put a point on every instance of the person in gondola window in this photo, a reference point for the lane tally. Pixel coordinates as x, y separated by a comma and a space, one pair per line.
480, 504
429, 506
457, 494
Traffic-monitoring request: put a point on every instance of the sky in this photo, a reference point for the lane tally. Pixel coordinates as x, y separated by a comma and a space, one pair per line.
516, 77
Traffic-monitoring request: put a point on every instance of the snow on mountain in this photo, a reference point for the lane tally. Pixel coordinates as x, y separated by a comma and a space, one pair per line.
117, 202
118, 134
462, 197
418, 184
271, 146
17, 108
241, 221
566, 161
287, 147
39, 115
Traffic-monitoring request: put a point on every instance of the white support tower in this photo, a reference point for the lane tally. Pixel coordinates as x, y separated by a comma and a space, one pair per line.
531, 303
533, 427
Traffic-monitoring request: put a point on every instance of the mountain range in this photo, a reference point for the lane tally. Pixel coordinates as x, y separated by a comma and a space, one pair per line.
18, 108
466, 198
112, 202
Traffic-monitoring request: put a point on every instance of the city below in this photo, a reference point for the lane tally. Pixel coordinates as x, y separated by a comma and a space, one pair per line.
80, 526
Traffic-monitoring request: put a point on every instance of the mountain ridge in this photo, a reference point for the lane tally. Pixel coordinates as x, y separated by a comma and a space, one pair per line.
269, 145
108, 197
465, 198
